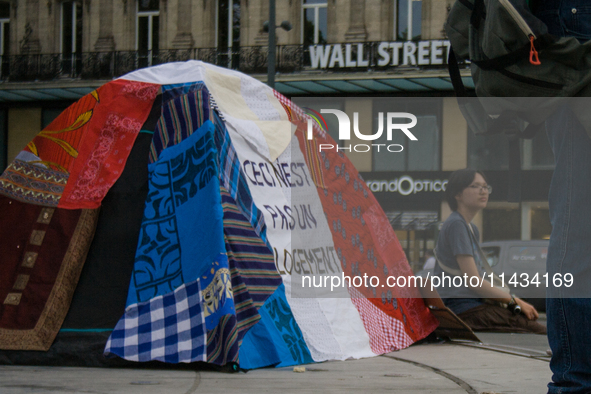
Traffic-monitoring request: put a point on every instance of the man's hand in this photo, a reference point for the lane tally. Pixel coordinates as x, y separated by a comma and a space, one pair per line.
527, 309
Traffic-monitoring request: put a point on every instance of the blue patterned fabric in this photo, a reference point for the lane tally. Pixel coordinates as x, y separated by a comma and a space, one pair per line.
233, 178
168, 328
276, 339
183, 205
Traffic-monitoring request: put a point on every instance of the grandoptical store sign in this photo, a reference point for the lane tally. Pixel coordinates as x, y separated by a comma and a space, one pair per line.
407, 185
407, 190
380, 54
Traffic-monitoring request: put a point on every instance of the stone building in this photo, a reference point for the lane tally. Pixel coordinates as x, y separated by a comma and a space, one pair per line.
358, 53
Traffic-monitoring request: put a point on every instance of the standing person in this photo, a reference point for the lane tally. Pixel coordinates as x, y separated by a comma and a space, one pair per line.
457, 255
569, 199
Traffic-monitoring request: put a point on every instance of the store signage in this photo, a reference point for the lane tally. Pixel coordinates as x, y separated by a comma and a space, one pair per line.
406, 185
397, 53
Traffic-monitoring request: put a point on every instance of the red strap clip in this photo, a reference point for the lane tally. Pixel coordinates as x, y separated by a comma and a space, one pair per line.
533, 54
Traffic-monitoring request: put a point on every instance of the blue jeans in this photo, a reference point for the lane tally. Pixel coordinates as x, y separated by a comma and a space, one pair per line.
565, 18
569, 318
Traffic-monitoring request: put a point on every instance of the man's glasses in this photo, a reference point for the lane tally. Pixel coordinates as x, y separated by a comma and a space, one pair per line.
480, 188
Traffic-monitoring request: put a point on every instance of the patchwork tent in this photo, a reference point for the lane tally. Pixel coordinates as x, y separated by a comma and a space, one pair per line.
172, 214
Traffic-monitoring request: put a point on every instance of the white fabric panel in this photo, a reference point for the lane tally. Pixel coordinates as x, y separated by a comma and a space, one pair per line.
169, 73
251, 132
338, 311
256, 101
331, 327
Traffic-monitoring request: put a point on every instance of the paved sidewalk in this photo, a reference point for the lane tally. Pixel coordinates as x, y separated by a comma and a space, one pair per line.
429, 368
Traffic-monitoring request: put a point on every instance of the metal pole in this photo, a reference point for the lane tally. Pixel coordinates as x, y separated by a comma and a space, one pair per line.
409, 21
271, 57
230, 31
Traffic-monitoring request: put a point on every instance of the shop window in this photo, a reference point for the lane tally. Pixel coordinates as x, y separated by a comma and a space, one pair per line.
491, 152
501, 224
147, 26
314, 22
540, 223
228, 32
537, 153
488, 152
415, 231
71, 37
408, 26
421, 155
4, 38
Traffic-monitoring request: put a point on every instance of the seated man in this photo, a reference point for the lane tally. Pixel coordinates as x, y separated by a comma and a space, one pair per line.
457, 253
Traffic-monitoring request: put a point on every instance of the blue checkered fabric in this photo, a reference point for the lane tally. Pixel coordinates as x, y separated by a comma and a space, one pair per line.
169, 328
232, 178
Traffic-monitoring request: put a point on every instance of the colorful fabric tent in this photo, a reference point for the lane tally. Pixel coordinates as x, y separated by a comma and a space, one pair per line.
176, 210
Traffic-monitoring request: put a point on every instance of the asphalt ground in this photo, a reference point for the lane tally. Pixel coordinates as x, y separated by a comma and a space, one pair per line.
501, 363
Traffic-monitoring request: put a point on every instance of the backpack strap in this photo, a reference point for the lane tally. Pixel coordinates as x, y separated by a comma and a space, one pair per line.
445, 268
454, 74
457, 272
478, 13
485, 264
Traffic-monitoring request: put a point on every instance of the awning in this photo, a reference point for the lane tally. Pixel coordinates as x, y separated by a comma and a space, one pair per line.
46, 91
368, 83
296, 84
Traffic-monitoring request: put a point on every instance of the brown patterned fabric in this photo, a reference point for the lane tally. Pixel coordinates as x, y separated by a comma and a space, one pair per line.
40, 273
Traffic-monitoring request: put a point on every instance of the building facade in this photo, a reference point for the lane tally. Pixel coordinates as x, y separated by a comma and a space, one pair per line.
357, 54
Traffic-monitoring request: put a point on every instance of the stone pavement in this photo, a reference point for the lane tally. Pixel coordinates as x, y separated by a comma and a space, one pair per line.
442, 368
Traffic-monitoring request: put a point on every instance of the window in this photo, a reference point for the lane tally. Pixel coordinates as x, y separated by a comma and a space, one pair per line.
228, 32
4, 39
491, 152
501, 224
71, 37
408, 26
314, 22
147, 32
541, 228
421, 155
537, 153
488, 152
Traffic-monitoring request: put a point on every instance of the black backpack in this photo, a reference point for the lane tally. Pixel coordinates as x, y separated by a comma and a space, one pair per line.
521, 73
